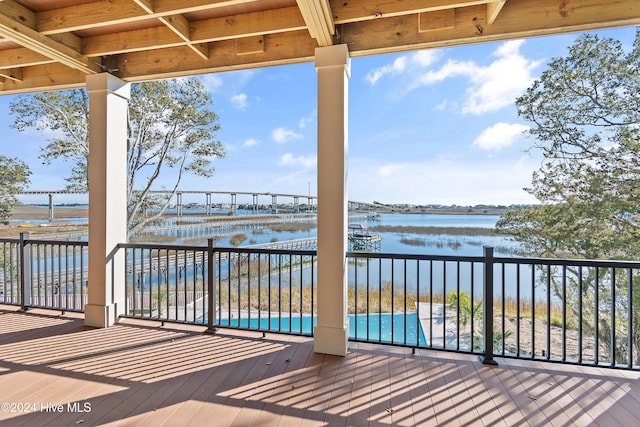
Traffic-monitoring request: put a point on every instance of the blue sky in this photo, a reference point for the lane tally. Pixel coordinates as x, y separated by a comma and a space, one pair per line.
432, 126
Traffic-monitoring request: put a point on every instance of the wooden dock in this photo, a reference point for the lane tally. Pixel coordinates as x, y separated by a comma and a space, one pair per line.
360, 239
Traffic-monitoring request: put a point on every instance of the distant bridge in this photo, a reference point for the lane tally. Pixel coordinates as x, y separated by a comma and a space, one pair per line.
233, 205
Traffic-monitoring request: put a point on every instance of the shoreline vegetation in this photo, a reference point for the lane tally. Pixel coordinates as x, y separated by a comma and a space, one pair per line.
457, 231
31, 212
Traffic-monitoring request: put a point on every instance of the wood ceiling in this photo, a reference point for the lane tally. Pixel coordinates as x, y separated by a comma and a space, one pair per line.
51, 44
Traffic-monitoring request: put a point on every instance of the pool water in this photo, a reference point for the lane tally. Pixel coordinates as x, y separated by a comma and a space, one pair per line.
386, 328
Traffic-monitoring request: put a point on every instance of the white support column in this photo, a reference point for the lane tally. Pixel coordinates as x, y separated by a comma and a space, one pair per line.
331, 335
108, 96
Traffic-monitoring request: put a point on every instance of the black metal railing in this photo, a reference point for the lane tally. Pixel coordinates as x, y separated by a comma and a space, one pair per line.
166, 282
258, 289
568, 311
43, 273
416, 300
265, 289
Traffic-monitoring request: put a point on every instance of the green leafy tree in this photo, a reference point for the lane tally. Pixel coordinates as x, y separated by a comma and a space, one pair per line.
171, 131
14, 176
585, 116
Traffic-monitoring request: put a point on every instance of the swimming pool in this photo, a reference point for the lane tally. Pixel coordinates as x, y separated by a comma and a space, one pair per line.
385, 328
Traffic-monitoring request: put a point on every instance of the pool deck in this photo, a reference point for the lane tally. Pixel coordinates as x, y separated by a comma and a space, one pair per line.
55, 371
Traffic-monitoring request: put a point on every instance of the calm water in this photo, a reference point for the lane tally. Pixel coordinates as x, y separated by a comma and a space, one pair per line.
393, 242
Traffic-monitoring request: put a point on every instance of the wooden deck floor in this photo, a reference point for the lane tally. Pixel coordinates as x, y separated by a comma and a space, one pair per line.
54, 371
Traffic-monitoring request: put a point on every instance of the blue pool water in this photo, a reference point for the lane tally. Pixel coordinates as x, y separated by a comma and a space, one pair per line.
386, 328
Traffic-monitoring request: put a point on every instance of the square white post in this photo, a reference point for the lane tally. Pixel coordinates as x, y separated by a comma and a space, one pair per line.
331, 335
108, 104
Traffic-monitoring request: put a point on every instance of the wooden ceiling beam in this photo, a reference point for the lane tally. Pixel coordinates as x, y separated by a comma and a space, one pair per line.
210, 30
522, 18
18, 28
22, 57
45, 77
278, 49
493, 10
364, 10
181, 27
131, 41
84, 16
11, 73
319, 19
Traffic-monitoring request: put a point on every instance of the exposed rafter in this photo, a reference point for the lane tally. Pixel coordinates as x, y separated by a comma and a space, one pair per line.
319, 19
147, 39
14, 29
493, 10
92, 15
179, 25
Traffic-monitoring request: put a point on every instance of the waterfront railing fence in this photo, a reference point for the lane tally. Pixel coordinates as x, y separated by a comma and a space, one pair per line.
584, 312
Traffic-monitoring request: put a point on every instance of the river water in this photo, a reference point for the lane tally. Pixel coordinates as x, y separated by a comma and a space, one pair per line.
407, 243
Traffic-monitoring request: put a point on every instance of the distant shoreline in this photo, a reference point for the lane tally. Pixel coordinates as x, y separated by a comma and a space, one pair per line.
443, 211
34, 212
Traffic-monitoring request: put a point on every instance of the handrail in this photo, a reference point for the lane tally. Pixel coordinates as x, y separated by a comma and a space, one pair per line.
575, 311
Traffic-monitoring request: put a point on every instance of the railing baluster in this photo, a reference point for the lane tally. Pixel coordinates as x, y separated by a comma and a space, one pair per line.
580, 308
487, 357
630, 318
596, 320
444, 304
518, 302
25, 271
548, 312
417, 323
533, 312
458, 305
502, 312
613, 316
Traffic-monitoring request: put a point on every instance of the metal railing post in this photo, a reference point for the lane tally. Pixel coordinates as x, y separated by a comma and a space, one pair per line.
487, 308
211, 278
25, 271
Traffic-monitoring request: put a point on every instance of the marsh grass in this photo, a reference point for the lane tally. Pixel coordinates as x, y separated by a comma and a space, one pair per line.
293, 226
414, 229
237, 239
413, 242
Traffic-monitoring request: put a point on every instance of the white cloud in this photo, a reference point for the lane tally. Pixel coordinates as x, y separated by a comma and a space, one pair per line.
500, 83
490, 87
304, 122
213, 82
494, 86
239, 101
402, 64
306, 162
282, 135
251, 142
499, 136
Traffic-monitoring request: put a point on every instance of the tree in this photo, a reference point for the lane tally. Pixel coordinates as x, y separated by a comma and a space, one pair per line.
171, 130
14, 176
585, 116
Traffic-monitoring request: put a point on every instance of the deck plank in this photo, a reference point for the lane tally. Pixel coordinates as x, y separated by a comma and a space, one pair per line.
140, 373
